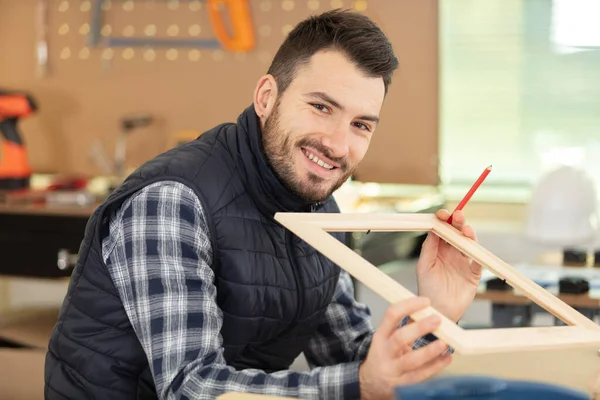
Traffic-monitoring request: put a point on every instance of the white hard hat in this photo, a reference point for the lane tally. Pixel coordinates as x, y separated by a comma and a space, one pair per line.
564, 209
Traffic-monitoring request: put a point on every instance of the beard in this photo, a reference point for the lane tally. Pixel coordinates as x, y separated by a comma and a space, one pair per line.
280, 152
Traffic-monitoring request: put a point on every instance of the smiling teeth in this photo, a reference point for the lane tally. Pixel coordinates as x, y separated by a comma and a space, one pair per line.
317, 160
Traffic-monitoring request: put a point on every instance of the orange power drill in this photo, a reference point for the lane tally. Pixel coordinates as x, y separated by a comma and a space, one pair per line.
15, 170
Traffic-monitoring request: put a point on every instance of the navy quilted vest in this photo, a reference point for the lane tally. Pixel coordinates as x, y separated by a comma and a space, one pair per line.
272, 287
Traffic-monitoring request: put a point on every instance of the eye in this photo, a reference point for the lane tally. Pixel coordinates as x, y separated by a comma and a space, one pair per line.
362, 126
320, 107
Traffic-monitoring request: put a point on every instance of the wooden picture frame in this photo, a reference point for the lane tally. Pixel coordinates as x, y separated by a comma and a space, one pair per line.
561, 355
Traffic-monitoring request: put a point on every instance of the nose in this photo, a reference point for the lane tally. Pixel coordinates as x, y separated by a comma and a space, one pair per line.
338, 141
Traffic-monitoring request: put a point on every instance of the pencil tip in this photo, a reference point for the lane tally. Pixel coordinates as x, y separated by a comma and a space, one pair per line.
490, 167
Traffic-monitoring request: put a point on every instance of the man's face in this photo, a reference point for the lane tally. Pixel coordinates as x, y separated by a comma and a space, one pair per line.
320, 128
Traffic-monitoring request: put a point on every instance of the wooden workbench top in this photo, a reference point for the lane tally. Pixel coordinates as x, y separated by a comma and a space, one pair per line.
52, 210
548, 277
587, 300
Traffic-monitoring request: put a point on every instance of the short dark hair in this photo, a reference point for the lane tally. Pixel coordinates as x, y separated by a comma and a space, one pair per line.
353, 34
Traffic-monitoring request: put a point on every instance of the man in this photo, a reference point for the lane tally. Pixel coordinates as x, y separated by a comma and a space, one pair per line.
186, 287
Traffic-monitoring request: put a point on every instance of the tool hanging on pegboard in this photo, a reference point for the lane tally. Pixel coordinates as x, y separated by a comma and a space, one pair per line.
242, 38
41, 50
15, 170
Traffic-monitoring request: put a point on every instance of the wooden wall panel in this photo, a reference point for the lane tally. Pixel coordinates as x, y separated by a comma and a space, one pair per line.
405, 147
84, 96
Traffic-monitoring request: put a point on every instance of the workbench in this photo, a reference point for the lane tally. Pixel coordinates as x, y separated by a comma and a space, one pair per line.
512, 309
38, 242
41, 241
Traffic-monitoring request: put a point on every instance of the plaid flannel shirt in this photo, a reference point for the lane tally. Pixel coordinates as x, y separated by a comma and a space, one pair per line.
159, 255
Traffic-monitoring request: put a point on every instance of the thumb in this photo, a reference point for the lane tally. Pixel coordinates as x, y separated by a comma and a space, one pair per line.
429, 249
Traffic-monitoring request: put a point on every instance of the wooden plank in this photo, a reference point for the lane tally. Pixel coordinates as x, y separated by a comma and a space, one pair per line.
354, 222
576, 368
544, 338
22, 372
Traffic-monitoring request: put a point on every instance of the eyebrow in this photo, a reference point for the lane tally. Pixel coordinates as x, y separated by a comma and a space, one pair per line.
328, 99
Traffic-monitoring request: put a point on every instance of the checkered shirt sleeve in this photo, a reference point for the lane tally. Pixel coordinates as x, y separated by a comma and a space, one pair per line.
158, 253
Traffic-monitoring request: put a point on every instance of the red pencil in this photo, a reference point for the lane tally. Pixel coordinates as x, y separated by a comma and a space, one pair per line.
471, 191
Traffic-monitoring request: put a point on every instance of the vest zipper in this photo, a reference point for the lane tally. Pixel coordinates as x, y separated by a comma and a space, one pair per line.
288, 246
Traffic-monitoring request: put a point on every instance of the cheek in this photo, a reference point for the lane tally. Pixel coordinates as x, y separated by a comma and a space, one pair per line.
309, 123
292, 131
358, 149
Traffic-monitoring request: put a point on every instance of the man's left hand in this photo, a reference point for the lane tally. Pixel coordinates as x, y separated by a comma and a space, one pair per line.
445, 275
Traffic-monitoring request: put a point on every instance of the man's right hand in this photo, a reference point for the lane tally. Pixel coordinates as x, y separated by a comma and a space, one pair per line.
391, 360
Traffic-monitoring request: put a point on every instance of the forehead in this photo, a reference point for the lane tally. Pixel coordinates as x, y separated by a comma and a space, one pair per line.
331, 72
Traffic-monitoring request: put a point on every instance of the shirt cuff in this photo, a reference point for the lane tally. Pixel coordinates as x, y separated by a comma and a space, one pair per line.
340, 381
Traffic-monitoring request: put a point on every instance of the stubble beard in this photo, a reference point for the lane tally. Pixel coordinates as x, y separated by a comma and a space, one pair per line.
280, 152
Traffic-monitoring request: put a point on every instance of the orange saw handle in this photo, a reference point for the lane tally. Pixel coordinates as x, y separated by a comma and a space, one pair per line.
243, 38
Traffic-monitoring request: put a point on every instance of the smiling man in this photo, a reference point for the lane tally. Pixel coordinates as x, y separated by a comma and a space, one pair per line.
312, 164
187, 288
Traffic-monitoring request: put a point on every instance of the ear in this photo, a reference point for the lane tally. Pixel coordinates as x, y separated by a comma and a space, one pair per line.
265, 96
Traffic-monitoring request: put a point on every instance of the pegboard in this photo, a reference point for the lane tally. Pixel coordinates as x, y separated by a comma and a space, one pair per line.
88, 88
174, 30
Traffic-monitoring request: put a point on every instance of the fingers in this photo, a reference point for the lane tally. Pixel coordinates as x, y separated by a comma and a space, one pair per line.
458, 218
469, 232
443, 214
406, 349
458, 222
420, 357
396, 312
411, 332
429, 249
427, 370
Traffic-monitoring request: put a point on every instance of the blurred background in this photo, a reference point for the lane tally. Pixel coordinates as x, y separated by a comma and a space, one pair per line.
89, 90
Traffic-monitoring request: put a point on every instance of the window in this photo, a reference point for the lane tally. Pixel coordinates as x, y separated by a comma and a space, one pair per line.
520, 89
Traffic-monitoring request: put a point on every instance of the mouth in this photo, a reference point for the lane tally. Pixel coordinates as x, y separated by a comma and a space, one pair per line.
319, 160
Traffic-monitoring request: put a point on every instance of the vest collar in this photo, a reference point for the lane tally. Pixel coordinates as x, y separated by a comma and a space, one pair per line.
263, 184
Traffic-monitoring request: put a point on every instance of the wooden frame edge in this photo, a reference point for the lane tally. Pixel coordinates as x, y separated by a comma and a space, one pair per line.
313, 228
514, 278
